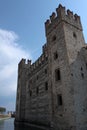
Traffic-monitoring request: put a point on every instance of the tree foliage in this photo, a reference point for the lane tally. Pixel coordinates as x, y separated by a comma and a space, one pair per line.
2, 109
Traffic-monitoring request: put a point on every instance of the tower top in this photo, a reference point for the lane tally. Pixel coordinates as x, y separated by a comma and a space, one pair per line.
24, 64
62, 15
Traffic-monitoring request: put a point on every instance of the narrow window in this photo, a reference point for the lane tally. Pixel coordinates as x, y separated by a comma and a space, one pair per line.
45, 71
81, 68
59, 100
55, 55
46, 86
54, 38
30, 93
82, 75
57, 75
74, 35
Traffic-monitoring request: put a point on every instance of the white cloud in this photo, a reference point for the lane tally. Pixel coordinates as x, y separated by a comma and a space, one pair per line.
10, 55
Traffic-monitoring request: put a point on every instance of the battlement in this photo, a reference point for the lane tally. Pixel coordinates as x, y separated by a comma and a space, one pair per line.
44, 48
64, 15
40, 61
24, 63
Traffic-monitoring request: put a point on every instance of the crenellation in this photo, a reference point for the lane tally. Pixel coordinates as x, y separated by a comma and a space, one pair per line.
70, 13
53, 90
61, 12
29, 62
77, 18
22, 62
42, 58
39, 60
47, 23
62, 15
44, 48
53, 16
25, 63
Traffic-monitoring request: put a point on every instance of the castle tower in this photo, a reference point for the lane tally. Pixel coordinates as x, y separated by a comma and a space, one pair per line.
21, 89
71, 33
52, 90
64, 39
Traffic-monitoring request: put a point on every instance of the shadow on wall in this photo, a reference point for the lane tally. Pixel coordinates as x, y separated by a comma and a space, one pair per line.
27, 128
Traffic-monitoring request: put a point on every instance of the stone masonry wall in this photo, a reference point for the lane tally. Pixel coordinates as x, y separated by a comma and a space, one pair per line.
52, 90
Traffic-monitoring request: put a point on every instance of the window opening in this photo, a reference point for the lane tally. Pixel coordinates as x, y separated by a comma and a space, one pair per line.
57, 75
46, 85
55, 55
30, 93
45, 71
59, 100
82, 75
74, 35
81, 68
54, 38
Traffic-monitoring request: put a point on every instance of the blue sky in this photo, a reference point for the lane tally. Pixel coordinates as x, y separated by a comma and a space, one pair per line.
22, 34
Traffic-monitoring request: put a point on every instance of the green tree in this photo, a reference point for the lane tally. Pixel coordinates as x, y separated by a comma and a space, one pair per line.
2, 109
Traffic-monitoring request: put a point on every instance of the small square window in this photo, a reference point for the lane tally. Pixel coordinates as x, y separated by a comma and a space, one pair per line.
74, 35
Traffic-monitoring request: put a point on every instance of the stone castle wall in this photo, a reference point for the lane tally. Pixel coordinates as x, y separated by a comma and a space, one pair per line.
52, 90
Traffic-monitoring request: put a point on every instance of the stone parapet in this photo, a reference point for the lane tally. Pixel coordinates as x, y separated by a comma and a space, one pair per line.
62, 15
